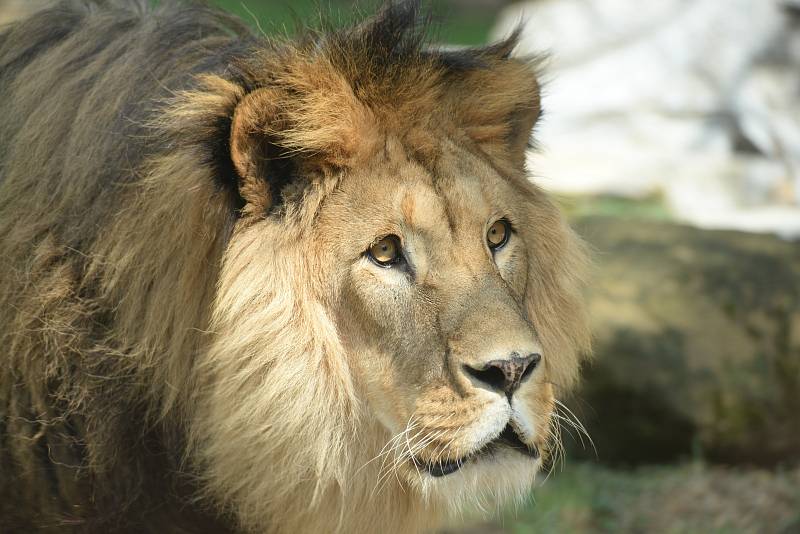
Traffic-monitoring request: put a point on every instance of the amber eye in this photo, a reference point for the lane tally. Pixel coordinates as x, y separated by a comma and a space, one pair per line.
386, 251
498, 233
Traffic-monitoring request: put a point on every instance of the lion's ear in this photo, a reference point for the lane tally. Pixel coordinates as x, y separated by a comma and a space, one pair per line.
496, 101
277, 134
252, 147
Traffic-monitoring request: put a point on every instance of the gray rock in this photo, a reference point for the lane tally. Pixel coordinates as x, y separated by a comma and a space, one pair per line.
697, 344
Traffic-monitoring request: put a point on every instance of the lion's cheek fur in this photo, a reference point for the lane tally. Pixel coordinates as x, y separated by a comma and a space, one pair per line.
276, 429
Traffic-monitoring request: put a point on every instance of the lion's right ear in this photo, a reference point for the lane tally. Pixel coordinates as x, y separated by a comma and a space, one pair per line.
277, 134
252, 148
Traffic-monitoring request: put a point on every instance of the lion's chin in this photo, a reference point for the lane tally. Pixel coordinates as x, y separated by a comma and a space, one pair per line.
495, 479
508, 439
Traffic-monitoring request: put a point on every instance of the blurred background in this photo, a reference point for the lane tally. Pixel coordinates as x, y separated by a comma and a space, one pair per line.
671, 137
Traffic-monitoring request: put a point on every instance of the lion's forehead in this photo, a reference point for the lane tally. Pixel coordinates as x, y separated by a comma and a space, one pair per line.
397, 195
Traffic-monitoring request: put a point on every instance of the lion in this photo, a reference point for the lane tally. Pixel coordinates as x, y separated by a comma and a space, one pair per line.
272, 285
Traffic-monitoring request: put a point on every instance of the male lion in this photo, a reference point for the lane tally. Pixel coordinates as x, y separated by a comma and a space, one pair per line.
270, 286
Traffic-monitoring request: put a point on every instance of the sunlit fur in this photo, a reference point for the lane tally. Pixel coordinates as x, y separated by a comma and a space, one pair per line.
193, 337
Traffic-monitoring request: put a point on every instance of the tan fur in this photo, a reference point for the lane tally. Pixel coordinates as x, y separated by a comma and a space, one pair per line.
196, 353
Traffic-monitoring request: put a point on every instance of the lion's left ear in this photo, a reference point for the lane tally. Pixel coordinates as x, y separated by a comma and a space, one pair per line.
496, 101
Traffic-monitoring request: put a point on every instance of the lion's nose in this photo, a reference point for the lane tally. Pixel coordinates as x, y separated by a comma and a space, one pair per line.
505, 374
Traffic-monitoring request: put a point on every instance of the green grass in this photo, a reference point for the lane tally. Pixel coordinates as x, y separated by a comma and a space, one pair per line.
651, 207
457, 25
684, 499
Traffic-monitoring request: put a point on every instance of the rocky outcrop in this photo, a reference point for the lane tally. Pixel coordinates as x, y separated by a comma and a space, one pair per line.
697, 344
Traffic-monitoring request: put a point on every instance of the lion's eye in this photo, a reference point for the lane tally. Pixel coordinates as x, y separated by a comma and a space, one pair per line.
498, 233
386, 251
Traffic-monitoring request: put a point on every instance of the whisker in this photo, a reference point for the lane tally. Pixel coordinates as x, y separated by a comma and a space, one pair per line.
577, 424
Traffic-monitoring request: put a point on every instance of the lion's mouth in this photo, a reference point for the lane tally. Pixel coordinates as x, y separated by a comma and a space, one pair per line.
507, 438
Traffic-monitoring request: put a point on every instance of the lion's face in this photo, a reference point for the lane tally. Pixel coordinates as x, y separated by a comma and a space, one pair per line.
430, 272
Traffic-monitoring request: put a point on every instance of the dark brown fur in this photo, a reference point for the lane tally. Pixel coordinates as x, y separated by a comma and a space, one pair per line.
120, 183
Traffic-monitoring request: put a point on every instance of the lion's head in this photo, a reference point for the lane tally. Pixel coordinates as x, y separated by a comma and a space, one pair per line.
398, 306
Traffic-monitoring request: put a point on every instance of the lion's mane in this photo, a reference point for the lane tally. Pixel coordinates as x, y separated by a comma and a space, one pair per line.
137, 389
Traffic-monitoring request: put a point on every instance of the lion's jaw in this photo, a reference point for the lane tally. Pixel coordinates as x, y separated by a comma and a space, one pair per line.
494, 462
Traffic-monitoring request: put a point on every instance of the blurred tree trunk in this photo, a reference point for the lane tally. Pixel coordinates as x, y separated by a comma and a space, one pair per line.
697, 344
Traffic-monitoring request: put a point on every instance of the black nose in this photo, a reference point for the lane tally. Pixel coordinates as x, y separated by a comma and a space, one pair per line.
507, 374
